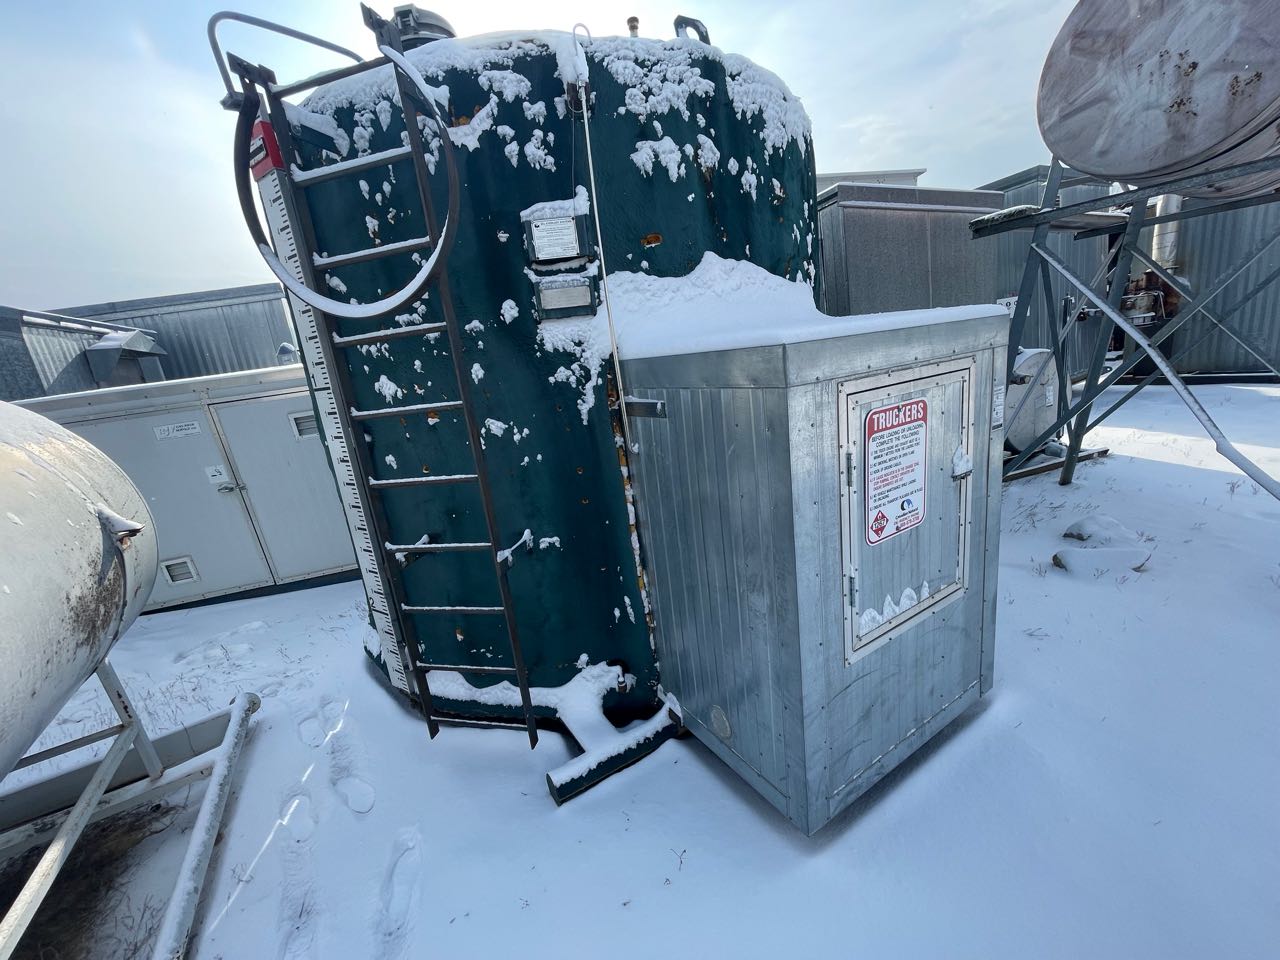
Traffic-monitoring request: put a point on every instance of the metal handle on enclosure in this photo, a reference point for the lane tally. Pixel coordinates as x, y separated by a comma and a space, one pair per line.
684, 24
431, 267
232, 99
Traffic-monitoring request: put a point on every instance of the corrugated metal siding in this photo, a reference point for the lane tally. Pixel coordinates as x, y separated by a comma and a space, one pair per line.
712, 505
219, 331
59, 358
19, 378
897, 248
1249, 306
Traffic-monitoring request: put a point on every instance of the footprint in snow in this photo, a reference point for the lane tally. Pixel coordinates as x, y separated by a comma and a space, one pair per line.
347, 773
298, 818
394, 915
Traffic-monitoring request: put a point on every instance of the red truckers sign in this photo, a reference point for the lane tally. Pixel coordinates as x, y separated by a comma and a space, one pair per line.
896, 440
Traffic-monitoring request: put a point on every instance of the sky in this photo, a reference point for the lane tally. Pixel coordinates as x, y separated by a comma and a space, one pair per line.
116, 167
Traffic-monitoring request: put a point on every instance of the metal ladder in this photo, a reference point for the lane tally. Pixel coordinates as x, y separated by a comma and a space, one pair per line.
297, 237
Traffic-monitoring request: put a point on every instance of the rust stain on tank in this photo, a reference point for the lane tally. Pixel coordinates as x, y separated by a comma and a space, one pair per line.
91, 613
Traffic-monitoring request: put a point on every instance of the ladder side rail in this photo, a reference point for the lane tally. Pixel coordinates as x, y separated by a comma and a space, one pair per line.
357, 451
389, 38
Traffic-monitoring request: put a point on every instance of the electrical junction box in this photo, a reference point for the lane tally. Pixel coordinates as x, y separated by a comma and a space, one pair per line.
820, 512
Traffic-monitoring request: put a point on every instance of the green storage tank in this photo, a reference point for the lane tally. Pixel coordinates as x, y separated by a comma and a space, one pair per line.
694, 152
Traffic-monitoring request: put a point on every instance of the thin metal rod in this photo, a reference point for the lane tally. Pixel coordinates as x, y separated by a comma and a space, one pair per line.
584, 93
421, 481
463, 668
395, 333
31, 759
129, 718
1220, 441
435, 547
404, 411
1173, 281
24, 908
370, 253
345, 168
446, 609
327, 76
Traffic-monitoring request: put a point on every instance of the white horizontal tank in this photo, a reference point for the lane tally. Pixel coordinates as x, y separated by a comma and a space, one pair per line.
77, 565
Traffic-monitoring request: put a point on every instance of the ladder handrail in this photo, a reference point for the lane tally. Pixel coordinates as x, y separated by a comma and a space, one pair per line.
223, 15
431, 268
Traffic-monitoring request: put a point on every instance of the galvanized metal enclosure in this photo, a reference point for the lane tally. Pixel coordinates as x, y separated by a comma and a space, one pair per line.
234, 472
890, 247
821, 521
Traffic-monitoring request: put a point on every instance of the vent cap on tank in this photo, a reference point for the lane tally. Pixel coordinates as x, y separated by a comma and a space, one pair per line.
418, 26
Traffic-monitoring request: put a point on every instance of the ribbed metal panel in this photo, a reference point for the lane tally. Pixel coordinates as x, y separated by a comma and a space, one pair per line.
59, 358
1082, 256
19, 377
720, 498
218, 331
1249, 305
886, 247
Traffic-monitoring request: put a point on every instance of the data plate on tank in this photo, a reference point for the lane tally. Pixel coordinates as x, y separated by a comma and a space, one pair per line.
555, 238
566, 297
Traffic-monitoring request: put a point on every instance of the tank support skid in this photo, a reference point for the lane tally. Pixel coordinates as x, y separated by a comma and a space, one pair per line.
135, 770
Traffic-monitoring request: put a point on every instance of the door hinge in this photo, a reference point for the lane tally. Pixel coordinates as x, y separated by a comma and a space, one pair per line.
848, 468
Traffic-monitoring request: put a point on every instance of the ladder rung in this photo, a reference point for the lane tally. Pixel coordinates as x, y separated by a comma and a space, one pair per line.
329, 76
462, 668
404, 411
421, 481
377, 336
435, 548
343, 168
372, 253
408, 608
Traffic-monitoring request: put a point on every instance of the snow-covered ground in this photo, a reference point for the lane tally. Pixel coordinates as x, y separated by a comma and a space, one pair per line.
1115, 795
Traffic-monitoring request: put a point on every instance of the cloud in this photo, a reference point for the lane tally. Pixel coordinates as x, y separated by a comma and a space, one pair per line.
117, 172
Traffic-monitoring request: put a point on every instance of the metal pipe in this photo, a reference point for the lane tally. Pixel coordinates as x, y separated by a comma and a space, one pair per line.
175, 928
1221, 443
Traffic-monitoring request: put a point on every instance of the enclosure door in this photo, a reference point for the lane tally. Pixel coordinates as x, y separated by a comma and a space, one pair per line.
906, 459
207, 544
278, 458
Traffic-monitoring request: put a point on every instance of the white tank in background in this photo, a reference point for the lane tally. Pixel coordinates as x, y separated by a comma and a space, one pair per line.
77, 562
1040, 409
1148, 90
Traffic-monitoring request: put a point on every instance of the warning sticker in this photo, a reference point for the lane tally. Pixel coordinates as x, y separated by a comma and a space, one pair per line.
554, 239
895, 474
